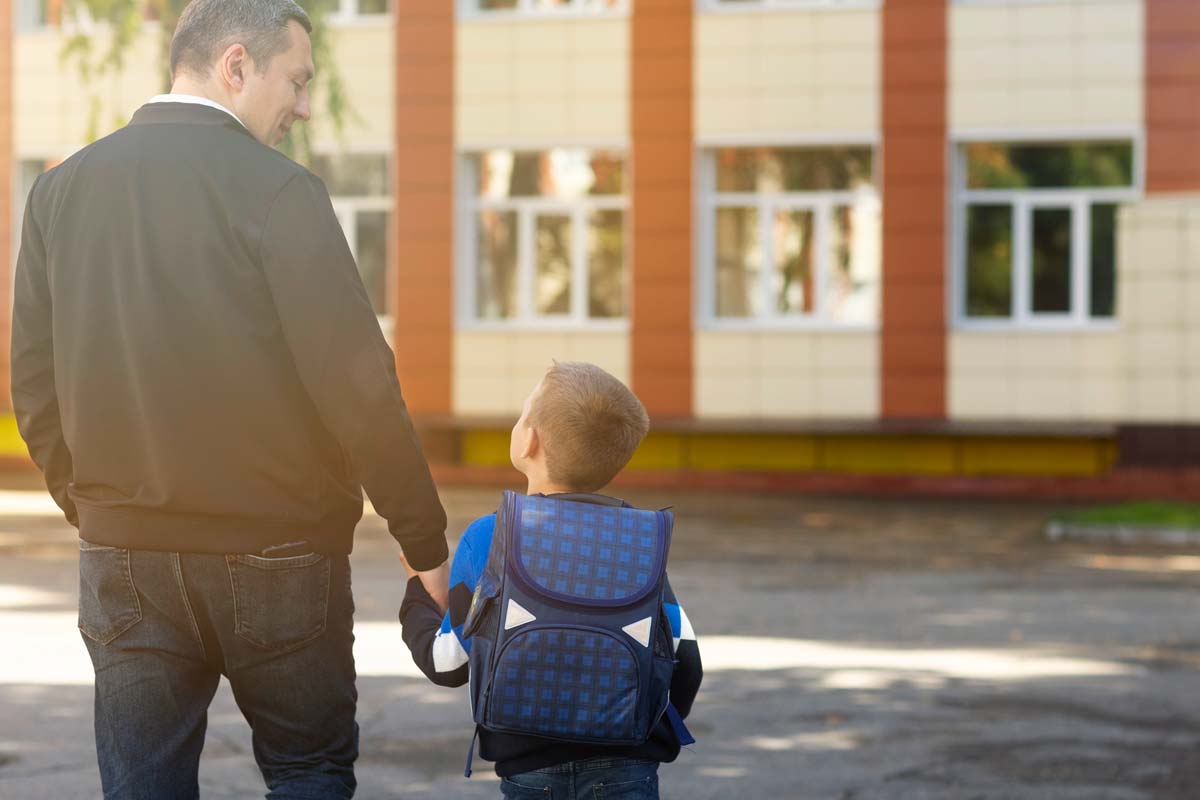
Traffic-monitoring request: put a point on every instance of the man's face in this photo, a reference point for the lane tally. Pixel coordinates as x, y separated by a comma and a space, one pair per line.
272, 100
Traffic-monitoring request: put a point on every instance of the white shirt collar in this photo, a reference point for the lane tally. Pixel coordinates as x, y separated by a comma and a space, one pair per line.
194, 100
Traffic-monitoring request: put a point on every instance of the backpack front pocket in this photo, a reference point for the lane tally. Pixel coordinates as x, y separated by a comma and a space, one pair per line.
574, 683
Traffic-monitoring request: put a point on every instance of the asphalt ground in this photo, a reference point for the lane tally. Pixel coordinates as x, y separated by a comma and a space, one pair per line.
853, 648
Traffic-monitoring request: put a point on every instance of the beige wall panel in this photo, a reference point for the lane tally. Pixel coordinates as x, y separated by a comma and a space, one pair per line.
52, 104
363, 54
788, 74
787, 375
1160, 316
542, 82
494, 371
1022, 375
1076, 63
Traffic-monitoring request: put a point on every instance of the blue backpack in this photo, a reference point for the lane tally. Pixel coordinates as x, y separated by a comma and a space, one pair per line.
569, 638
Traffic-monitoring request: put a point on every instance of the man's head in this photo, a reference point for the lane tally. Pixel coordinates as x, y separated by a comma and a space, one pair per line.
578, 429
253, 56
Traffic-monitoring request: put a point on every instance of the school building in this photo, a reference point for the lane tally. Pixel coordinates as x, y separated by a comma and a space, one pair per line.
942, 245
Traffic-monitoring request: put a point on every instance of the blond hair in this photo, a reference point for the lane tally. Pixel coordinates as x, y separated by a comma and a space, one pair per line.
589, 424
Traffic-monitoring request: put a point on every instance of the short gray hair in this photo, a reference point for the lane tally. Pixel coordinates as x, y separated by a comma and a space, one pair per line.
208, 27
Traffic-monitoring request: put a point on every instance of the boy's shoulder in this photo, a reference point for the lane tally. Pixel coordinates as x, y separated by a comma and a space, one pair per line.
479, 532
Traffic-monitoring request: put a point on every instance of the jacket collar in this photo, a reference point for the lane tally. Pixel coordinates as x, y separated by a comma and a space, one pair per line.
185, 114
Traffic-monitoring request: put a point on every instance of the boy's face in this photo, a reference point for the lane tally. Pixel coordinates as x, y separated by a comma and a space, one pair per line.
518, 443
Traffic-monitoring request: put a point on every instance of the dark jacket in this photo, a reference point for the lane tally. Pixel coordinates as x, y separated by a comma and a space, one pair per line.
195, 363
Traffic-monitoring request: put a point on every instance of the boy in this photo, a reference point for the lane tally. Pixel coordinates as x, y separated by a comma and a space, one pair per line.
577, 430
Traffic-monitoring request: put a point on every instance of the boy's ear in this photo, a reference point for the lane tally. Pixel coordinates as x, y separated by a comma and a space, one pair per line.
532, 444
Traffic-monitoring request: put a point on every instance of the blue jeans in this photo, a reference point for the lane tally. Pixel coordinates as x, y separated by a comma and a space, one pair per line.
162, 628
593, 779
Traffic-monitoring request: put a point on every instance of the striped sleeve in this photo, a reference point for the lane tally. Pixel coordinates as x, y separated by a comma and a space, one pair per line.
689, 671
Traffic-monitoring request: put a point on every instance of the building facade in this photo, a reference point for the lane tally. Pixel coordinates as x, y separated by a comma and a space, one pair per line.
932, 239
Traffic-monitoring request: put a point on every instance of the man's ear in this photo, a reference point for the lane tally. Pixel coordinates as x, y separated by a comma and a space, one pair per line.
532, 444
233, 65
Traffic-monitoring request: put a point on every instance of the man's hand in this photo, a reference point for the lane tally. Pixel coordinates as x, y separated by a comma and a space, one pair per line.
436, 581
408, 570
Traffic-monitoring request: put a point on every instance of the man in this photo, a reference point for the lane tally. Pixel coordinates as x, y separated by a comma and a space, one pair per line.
197, 371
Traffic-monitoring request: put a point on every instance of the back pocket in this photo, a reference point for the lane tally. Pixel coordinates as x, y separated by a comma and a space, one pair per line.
279, 603
108, 601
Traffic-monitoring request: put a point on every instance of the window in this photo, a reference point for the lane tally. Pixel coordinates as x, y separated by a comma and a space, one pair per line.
541, 7
360, 187
1036, 230
545, 236
791, 237
359, 10
737, 5
32, 15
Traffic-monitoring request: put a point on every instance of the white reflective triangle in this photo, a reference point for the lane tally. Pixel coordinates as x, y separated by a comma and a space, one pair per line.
516, 615
640, 631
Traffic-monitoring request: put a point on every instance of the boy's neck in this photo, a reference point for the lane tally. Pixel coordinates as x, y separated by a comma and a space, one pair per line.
548, 487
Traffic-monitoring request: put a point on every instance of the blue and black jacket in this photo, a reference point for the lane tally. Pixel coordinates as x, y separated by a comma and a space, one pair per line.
441, 652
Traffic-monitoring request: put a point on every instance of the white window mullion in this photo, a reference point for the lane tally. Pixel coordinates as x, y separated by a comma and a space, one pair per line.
766, 220
1022, 262
958, 260
526, 257
1080, 260
579, 262
822, 263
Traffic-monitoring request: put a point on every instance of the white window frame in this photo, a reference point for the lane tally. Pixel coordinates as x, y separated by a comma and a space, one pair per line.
1014, 2
528, 209
1023, 202
348, 15
347, 210
821, 203
347, 207
718, 7
21, 12
469, 9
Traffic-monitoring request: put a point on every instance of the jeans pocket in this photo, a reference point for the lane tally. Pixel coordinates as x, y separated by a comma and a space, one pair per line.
644, 789
279, 603
108, 601
512, 790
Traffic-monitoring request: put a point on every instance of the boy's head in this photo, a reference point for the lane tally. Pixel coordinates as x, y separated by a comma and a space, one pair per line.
578, 429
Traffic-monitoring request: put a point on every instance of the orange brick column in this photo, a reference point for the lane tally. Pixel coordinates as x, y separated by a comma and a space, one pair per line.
7, 235
1172, 95
422, 275
913, 331
661, 115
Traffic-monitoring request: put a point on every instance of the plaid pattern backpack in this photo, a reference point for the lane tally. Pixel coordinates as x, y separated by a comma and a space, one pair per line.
569, 637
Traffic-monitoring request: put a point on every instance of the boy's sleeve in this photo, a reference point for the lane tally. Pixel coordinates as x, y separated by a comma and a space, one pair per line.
688, 669
435, 640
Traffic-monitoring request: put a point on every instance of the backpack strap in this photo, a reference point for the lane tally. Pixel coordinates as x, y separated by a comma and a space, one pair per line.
471, 752
681, 732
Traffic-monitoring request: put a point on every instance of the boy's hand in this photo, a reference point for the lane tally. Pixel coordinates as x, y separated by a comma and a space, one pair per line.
436, 581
